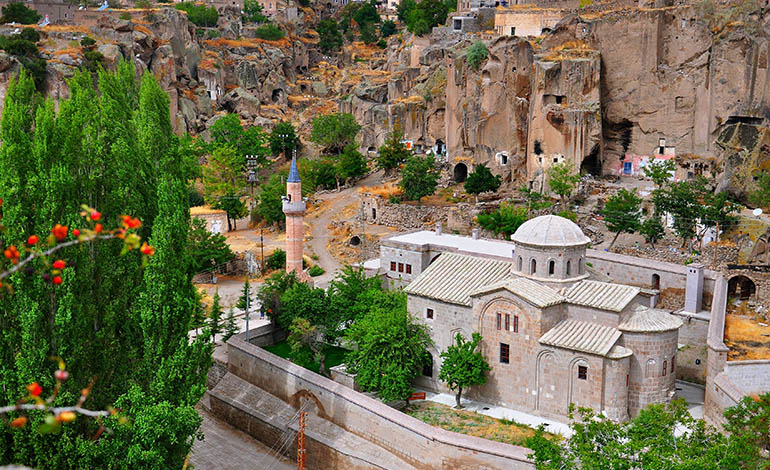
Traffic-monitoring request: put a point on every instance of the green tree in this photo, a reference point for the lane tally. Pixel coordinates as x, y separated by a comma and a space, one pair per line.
351, 164
269, 32
245, 299
269, 207
224, 181
506, 219
109, 144
749, 423
652, 229
284, 139
476, 53
419, 177
230, 327
199, 14
683, 201
387, 28
215, 325
206, 249
389, 351
421, 17
17, 12
351, 295
302, 301
334, 132
330, 38
463, 366
366, 14
660, 171
369, 33
227, 131
760, 196
535, 200
562, 179
307, 344
393, 152
482, 180
252, 12
622, 213
276, 259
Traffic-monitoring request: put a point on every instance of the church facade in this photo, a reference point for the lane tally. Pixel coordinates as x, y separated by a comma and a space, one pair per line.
552, 333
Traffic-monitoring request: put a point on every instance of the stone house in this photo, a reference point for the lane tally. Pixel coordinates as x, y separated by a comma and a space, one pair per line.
552, 334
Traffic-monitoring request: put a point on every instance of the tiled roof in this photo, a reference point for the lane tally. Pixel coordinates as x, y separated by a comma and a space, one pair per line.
550, 230
582, 336
619, 352
452, 277
601, 295
537, 294
648, 320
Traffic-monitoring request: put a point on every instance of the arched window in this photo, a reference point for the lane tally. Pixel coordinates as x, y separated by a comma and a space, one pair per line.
649, 368
533, 266
521, 261
665, 368
551, 267
569, 267
655, 281
427, 367
580, 266
673, 360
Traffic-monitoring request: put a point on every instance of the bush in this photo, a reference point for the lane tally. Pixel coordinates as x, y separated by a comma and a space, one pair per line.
315, 270
252, 12
213, 33
330, 37
143, 4
505, 220
125, 16
276, 260
195, 198
92, 60
29, 34
87, 42
387, 28
476, 53
382, 44
199, 15
17, 12
269, 32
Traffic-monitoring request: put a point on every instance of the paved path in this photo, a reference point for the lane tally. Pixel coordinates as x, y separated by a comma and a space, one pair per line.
226, 448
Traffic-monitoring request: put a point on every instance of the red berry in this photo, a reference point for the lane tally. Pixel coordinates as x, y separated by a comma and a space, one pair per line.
57, 280
61, 375
32, 240
95, 215
76, 232
147, 249
34, 389
60, 232
19, 422
98, 228
59, 264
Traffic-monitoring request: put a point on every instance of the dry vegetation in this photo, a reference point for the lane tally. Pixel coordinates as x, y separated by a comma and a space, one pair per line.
746, 334
383, 190
473, 424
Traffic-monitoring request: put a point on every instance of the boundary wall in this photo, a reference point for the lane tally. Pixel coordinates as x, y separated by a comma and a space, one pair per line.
419, 444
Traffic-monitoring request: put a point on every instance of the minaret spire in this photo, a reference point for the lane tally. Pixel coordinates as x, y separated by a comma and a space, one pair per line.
294, 208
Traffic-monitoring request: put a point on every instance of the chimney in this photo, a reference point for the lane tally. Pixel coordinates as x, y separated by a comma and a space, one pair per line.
475, 233
693, 297
438, 228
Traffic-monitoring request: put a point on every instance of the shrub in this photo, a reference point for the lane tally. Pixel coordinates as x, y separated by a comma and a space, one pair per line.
29, 34
213, 33
269, 32
143, 4
476, 53
92, 60
17, 12
87, 42
382, 44
276, 260
125, 16
387, 28
505, 220
199, 15
315, 270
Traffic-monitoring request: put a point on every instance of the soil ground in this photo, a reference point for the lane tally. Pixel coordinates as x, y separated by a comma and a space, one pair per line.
747, 336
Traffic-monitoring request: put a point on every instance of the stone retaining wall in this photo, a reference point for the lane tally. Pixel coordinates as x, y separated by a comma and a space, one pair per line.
419, 444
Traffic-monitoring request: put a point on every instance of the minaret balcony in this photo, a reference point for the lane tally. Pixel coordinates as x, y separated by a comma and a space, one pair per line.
298, 207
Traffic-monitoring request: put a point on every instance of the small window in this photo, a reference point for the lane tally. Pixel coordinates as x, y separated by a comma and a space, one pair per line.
665, 368
533, 266
556, 159
515, 323
521, 261
429, 313
582, 372
427, 368
569, 266
507, 322
551, 267
409, 269
499, 320
627, 380
673, 359
392, 265
400, 267
505, 353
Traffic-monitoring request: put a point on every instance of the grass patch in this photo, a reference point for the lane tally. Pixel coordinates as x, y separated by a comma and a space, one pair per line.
334, 355
473, 424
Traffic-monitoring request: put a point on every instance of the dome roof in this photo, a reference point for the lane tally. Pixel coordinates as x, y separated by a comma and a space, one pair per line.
550, 230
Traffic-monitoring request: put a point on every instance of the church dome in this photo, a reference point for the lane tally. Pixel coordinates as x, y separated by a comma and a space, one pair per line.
550, 231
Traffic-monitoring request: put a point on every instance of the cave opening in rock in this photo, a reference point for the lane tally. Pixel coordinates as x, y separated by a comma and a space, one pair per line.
538, 148
440, 147
372, 150
592, 164
460, 172
740, 287
277, 95
355, 240
621, 133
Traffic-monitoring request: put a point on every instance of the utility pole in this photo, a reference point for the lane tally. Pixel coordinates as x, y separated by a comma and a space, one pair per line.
716, 246
262, 248
301, 441
248, 298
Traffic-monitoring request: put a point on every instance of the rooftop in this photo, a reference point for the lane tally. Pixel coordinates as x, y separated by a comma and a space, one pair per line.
601, 295
550, 230
586, 337
535, 293
458, 243
647, 320
453, 278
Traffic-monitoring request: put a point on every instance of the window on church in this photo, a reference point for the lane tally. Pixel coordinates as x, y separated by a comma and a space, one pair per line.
392, 265
499, 320
649, 368
515, 323
583, 372
673, 358
409, 269
665, 368
627, 380
521, 261
507, 322
427, 368
533, 266
569, 266
551, 267
429, 313
505, 353
400, 267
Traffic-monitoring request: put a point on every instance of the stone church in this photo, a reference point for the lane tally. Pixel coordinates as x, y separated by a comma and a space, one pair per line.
553, 333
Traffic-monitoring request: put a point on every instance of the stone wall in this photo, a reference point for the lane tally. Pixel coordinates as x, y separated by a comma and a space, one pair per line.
421, 445
526, 22
691, 359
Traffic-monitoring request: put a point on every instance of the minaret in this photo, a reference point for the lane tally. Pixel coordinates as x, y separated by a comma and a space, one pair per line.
294, 209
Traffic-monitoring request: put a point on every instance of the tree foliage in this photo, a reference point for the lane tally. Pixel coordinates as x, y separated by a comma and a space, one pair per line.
393, 152
652, 230
227, 131
660, 171
199, 14
224, 182
269, 206
563, 179
505, 220
463, 366
421, 17
284, 138
17, 12
760, 195
390, 350
622, 213
351, 164
330, 37
419, 177
387, 28
113, 148
206, 249
334, 131
252, 12
482, 180
269, 32
476, 53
